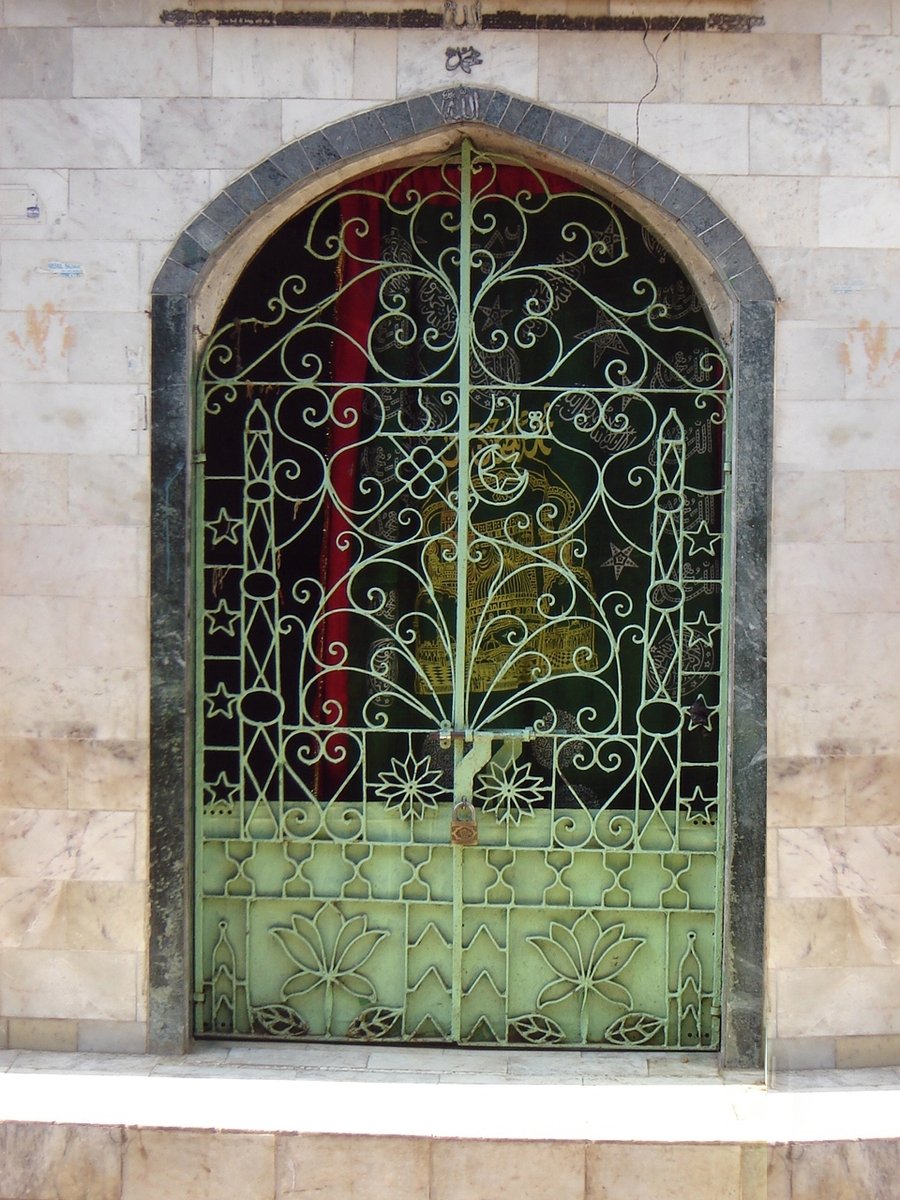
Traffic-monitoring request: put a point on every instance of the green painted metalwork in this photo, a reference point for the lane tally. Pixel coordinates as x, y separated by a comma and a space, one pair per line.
460, 671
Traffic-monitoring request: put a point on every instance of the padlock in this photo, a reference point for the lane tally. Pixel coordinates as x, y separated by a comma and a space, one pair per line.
463, 824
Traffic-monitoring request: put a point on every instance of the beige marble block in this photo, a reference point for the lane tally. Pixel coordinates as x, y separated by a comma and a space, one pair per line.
103, 276
375, 64
60, 1162
35, 62
74, 560
859, 212
44, 1034
52, 191
861, 70
704, 138
111, 348
856, 861
509, 61
142, 62
213, 133
852, 1052
282, 63
810, 360
66, 133
108, 490
47, 844
201, 1165
36, 345
129, 204
75, 702
824, 16
811, 139
608, 67
806, 791
874, 934
873, 790
32, 913
843, 1170
825, 284
838, 1001
299, 117
724, 68
109, 775
838, 435
33, 773
808, 506
82, 12
871, 357
873, 505
68, 983
662, 1172
57, 418
831, 719
310, 1166
529, 1170
33, 489
808, 933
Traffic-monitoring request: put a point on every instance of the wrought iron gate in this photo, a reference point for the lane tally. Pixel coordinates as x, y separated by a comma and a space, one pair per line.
461, 499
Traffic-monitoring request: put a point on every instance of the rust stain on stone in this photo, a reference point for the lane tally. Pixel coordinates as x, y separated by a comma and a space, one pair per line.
45, 332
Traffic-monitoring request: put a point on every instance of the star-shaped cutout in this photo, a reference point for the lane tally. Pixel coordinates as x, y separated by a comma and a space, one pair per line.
699, 714
700, 632
700, 809
221, 793
620, 558
222, 619
220, 703
494, 313
603, 338
702, 540
224, 528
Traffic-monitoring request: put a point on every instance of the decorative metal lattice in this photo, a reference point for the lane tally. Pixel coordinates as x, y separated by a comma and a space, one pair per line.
460, 517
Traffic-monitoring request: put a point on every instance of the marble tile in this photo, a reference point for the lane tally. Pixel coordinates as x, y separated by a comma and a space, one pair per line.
109, 775
107, 282
620, 69
663, 1172
50, 1035
854, 1053
49, 845
809, 506
35, 62
528, 1170
216, 133
104, 916
873, 505
108, 490
858, 212
806, 791
110, 348
750, 201
860, 70
787, 1055
808, 933
720, 68
282, 63
691, 137
845, 1170
73, 561
358, 1168
32, 914
822, 283
36, 345
57, 418
142, 62
336, 1058
76, 984
509, 61
824, 16
67, 133
73, 702
830, 720
810, 361
808, 649
81, 12
202, 1165
871, 355
874, 933
135, 204
851, 861
834, 435
32, 631
52, 190
873, 790
33, 489
114, 1037
33, 773
868, 666
819, 140
838, 1001
375, 64
60, 1162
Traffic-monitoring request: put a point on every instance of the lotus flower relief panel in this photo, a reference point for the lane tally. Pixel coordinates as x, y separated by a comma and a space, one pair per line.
459, 560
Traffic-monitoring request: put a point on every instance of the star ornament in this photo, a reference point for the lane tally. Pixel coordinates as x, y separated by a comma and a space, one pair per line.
224, 528
701, 540
700, 809
620, 558
220, 703
221, 792
222, 619
700, 632
699, 714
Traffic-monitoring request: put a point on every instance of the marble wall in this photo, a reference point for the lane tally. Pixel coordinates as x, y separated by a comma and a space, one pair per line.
116, 129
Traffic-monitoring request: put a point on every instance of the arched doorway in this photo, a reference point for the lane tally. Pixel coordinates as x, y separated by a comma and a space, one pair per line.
434, 482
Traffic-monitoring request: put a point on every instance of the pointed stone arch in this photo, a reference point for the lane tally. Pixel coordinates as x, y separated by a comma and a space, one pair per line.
187, 292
